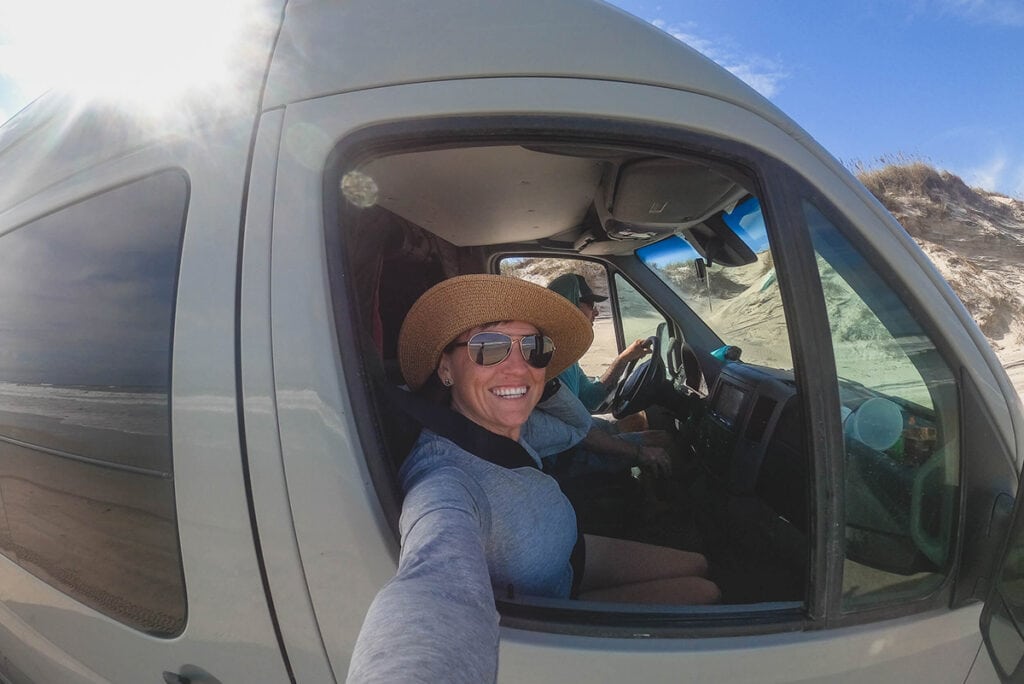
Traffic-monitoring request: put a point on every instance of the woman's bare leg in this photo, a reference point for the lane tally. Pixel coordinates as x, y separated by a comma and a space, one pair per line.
633, 570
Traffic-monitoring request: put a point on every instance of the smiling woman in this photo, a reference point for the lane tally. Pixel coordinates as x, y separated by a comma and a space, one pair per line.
493, 526
148, 52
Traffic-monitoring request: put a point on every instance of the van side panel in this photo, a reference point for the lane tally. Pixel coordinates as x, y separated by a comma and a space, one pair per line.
272, 506
228, 632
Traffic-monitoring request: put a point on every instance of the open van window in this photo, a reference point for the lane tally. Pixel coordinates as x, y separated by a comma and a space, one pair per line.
638, 317
724, 382
438, 211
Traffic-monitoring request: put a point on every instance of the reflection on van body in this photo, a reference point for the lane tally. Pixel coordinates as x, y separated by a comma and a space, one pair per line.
105, 536
85, 461
125, 426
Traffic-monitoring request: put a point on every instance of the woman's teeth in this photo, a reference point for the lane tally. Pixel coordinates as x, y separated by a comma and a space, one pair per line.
509, 392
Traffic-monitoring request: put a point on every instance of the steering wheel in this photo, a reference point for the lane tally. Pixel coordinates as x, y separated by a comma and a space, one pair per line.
641, 384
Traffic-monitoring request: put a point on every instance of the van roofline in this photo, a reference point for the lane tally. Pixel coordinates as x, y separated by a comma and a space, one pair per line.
329, 47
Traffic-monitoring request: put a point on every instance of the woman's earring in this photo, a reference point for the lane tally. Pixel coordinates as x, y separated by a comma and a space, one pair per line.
447, 382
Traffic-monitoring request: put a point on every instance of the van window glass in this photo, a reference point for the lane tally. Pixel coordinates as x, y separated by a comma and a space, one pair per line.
743, 417
740, 303
543, 270
899, 411
86, 477
640, 320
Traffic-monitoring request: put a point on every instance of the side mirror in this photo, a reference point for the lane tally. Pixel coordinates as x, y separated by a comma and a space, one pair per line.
702, 265
702, 269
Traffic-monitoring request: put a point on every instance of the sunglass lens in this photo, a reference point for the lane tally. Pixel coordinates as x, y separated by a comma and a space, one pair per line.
537, 350
487, 349
490, 348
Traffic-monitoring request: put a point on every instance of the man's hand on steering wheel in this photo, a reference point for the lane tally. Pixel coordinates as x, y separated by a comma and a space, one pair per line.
637, 350
637, 390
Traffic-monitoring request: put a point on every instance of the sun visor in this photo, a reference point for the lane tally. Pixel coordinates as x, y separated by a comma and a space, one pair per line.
652, 196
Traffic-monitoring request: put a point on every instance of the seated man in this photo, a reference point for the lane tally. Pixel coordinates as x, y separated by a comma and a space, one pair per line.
609, 447
592, 391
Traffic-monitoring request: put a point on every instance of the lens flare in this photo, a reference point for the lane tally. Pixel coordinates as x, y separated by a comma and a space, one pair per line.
145, 52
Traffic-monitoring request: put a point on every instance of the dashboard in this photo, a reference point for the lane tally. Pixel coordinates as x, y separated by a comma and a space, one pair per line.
749, 437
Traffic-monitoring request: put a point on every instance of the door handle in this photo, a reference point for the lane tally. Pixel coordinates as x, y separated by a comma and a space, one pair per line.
175, 678
190, 674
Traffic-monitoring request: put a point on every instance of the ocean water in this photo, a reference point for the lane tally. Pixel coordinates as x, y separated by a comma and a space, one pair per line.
127, 410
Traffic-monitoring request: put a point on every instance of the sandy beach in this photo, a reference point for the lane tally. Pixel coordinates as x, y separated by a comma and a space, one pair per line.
88, 499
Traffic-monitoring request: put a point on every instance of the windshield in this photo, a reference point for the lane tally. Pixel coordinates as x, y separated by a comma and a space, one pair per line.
741, 304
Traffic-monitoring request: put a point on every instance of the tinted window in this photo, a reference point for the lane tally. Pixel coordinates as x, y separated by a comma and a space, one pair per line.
900, 421
86, 476
640, 319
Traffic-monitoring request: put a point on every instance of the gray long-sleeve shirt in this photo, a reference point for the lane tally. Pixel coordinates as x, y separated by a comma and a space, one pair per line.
470, 529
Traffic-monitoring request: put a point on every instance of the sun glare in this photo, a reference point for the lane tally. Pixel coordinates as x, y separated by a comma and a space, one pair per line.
146, 51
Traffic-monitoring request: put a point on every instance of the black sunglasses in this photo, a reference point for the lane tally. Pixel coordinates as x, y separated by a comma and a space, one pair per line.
491, 348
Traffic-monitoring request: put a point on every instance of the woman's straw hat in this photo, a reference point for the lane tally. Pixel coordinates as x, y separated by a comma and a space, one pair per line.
453, 306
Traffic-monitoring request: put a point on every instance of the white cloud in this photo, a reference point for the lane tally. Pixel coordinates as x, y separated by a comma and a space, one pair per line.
1001, 172
762, 74
684, 33
999, 12
989, 175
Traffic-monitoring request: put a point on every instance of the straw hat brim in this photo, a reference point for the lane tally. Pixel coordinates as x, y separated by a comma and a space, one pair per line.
458, 304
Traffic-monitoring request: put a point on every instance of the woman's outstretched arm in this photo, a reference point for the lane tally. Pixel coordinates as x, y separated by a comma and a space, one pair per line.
435, 620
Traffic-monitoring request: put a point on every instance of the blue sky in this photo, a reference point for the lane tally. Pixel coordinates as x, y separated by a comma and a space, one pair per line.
936, 80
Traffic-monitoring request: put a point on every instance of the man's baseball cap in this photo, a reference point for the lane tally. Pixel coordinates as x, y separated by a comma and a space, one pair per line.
561, 284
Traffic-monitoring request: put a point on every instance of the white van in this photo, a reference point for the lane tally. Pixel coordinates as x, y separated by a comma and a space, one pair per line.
197, 331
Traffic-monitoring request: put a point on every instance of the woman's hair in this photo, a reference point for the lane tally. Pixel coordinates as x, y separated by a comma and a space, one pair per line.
434, 391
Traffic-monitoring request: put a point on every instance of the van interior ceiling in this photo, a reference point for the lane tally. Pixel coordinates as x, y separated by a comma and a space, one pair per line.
415, 218
556, 196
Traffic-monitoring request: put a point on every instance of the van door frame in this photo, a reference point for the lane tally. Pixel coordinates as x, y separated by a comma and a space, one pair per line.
802, 293
415, 110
